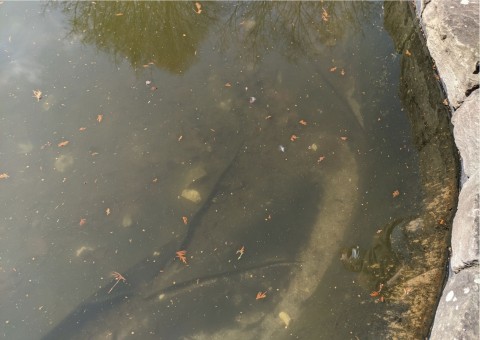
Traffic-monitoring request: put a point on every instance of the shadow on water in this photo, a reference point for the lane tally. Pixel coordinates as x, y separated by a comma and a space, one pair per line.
261, 126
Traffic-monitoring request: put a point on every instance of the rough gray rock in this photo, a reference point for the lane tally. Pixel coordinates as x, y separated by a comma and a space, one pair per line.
452, 30
466, 224
458, 309
466, 121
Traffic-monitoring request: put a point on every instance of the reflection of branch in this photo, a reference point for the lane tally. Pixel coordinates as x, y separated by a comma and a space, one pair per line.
297, 28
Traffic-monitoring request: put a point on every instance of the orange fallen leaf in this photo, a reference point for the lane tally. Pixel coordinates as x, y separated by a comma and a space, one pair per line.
99, 118
375, 293
107, 211
198, 8
302, 122
407, 53
333, 69
321, 158
261, 295
181, 256
293, 138
118, 277
82, 221
4, 176
64, 143
395, 193
185, 220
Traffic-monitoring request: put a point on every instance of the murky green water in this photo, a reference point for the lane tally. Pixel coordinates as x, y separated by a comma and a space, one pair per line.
270, 126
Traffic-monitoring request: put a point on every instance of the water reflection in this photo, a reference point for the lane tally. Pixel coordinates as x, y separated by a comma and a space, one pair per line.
168, 34
185, 160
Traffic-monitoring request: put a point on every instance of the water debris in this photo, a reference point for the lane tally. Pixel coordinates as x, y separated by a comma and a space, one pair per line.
83, 249
181, 256
37, 94
148, 82
325, 15
395, 193
285, 318
185, 220
252, 100
293, 138
4, 175
240, 251
107, 211
82, 221
118, 277
99, 118
261, 295
198, 8
302, 122
228, 85
281, 148
64, 143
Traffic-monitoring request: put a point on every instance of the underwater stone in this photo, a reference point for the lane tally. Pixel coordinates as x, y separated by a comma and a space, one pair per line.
191, 195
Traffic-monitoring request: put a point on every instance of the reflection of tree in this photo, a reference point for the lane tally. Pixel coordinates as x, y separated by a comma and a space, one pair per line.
297, 28
165, 33
168, 33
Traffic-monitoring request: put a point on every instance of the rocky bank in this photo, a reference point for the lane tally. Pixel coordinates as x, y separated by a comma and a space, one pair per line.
451, 29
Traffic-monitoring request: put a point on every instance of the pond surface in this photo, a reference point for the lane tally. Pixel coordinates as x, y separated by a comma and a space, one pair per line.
261, 139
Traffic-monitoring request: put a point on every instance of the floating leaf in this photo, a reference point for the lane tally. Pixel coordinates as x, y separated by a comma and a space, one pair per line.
333, 69
185, 220
302, 122
64, 143
4, 176
107, 211
82, 221
198, 8
37, 94
261, 295
343, 138
181, 255
325, 15
118, 277
293, 138
240, 251
395, 193
99, 118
